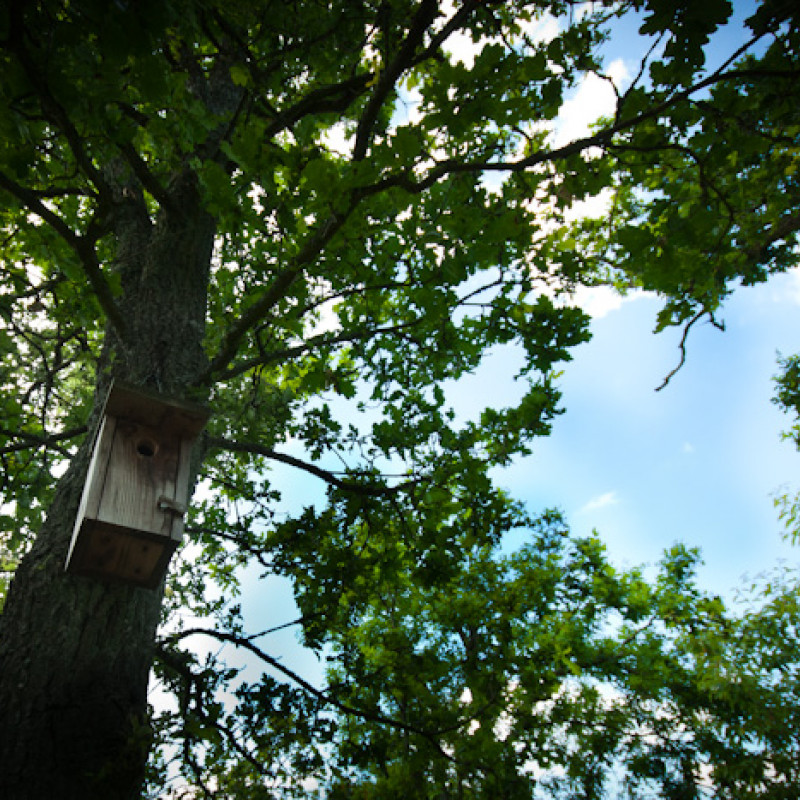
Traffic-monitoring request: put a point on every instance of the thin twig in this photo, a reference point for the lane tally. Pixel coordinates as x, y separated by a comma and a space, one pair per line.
682, 345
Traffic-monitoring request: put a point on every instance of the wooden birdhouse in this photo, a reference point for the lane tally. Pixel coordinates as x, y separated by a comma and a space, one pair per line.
130, 518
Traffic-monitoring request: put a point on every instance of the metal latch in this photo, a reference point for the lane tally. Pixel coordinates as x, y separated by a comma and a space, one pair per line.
170, 506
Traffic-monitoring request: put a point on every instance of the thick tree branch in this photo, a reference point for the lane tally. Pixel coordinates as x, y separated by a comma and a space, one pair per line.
146, 178
337, 98
49, 104
83, 248
371, 716
274, 293
455, 22
329, 477
780, 230
314, 342
426, 14
332, 99
29, 441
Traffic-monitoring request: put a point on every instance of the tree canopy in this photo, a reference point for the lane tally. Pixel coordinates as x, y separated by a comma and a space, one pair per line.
315, 218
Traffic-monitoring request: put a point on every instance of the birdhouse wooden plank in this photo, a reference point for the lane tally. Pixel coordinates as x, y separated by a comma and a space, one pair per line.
130, 518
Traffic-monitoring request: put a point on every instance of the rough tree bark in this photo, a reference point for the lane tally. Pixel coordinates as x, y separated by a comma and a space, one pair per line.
76, 653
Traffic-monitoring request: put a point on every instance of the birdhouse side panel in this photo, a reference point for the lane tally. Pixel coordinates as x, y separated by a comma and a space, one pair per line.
95, 480
98, 468
141, 469
184, 472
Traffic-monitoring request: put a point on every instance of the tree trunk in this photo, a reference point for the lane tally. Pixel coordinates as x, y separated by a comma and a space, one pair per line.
75, 653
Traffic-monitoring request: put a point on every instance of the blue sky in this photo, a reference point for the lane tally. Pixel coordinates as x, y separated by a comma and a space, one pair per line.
698, 462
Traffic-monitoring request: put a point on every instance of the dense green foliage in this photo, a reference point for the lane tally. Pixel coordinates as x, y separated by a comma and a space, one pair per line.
386, 210
544, 672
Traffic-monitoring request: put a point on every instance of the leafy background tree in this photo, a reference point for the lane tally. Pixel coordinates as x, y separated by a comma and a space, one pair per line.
238, 204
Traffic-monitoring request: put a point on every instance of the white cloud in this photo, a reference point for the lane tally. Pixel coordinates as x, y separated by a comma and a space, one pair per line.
463, 49
338, 139
597, 301
544, 29
593, 98
791, 288
601, 501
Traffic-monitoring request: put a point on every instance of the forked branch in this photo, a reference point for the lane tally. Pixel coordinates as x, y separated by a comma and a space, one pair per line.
80, 245
682, 344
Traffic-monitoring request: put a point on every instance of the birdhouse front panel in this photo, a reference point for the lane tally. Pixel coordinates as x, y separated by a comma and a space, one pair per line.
141, 472
131, 515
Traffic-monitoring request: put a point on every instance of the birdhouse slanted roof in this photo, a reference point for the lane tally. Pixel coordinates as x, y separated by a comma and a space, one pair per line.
179, 417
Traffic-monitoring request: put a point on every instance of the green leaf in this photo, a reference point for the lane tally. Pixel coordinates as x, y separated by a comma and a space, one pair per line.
240, 75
